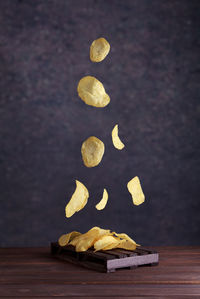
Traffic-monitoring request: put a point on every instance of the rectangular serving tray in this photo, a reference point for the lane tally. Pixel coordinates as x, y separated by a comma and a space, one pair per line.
106, 261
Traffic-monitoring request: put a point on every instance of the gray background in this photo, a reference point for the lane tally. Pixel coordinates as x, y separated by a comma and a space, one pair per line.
151, 75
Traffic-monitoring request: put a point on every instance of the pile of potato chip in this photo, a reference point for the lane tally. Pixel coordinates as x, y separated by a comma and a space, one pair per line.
92, 92
99, 239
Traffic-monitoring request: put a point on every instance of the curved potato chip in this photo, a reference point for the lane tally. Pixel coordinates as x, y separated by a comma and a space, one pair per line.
92, 92
106, 243
92, 151
84, 236
102, 232
109, 247
75, 240
124, 244
78, 200
65, 239
126, 237
99, 233
99, 49
101, 205
87, 240
116, 140
135, 189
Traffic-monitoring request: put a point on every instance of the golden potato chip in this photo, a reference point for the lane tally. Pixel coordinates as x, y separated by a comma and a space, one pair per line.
65, 239
78, 200
92, 151
87, 240
101, 205
99, 232
92, 92
99, 49
85, 235
135, 189
109, 247
125, 237
102, 232
124, 244
106, 243
116, 140
75, 240
78, 238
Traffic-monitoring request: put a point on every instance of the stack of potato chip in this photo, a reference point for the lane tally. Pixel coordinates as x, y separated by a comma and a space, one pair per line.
99, 239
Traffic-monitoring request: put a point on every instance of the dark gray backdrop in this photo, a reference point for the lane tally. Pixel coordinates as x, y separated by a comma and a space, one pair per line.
151, 75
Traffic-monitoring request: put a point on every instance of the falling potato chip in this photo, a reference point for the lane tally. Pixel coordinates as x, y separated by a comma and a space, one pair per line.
78, 200
92, 92
116, 140
101, 205
99, 49
106, 243
65, 239
92, 151
135, 189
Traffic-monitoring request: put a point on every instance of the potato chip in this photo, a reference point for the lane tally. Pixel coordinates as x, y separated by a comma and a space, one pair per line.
99, 232
65, 239
78, 200
101, 205
92, 151
92, 92
124, 244
109, 247
135, 189
99, 49
106, 243
103, 232
87, 240
75, 240
116, 140
126, 238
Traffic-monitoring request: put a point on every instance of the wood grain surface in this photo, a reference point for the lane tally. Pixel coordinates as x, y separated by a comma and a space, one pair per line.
33, 272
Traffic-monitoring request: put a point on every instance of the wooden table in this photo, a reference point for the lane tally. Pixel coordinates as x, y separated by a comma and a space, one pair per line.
34, 273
